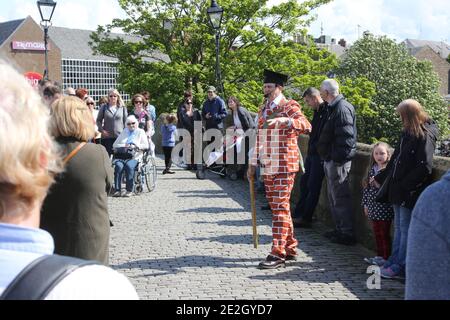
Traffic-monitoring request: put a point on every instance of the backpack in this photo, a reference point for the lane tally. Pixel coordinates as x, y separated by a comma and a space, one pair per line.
39, 277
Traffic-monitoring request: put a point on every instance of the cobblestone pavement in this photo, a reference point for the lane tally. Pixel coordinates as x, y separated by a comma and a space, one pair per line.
192, 239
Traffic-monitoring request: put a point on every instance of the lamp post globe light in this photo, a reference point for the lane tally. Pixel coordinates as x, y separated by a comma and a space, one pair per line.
46, 9
215, 14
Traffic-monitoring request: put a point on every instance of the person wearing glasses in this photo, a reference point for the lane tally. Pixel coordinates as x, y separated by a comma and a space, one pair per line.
111, 119
129, 149
144, 119
188, 115
91, 105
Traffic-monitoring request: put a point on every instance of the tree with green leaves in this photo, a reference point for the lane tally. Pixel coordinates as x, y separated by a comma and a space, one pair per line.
397, 76
252, 37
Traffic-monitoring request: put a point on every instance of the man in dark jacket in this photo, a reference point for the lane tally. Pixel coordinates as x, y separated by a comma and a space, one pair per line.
311, 180
214, 110
337, 147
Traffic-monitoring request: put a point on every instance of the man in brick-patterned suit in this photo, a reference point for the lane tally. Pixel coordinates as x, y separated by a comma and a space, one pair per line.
280, 121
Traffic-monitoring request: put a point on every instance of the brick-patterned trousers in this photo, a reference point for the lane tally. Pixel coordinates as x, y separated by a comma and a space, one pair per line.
278, 193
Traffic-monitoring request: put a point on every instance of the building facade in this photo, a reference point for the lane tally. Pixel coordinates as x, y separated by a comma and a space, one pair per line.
71, 59
436, 52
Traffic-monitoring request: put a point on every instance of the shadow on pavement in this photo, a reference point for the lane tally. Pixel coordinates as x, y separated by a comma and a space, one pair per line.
235, 239
176, 265
210, 210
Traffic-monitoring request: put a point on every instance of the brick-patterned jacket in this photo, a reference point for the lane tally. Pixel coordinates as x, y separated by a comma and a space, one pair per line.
276, 150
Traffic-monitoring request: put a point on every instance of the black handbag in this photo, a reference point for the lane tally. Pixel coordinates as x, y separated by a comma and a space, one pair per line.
124, 153
383, 193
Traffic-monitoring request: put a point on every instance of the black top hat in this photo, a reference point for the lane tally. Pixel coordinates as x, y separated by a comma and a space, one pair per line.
275, 77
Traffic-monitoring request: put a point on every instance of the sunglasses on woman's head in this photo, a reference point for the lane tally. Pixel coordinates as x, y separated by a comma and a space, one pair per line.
130, 123
90, 103
138, 102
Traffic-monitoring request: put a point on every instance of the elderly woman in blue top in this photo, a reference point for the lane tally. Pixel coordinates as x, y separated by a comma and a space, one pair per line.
134, 139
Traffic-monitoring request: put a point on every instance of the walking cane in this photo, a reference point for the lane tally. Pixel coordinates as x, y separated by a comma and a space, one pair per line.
253, 203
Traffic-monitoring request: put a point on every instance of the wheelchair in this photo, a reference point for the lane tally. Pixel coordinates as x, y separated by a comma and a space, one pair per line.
146, 174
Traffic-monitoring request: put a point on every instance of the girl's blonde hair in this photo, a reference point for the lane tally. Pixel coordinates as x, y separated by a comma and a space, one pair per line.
28, 156
413, 116
372, 161
71, 117
172, 118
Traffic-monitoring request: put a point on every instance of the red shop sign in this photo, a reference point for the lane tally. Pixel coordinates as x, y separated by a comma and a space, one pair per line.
33, 78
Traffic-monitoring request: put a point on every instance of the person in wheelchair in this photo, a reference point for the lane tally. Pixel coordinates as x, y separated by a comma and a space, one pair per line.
128, 149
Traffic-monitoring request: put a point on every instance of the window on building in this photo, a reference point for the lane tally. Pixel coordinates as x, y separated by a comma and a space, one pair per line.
96, 76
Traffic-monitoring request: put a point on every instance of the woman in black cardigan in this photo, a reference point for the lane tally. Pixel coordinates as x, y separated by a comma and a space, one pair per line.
189, 115
409, 172
239, 120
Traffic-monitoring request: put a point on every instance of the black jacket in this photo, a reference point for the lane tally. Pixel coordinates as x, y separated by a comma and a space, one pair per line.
317, 123
245, 118
187, 122
337, 140
411, 166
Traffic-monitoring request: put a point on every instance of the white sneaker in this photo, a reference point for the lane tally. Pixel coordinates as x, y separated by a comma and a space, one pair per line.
128, 194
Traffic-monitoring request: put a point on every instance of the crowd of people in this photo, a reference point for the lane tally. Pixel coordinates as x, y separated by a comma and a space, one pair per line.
53, 194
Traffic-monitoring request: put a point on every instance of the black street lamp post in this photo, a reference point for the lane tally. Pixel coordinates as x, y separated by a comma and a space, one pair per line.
46, 9
215, 14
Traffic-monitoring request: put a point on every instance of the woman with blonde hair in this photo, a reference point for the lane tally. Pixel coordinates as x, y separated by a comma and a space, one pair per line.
111, 119
28, 163
407, 174
75, 211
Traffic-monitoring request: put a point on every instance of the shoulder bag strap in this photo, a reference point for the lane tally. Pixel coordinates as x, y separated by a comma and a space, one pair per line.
41, 276
74, 152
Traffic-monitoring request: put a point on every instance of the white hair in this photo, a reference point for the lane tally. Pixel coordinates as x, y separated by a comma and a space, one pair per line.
331, 86
131, 118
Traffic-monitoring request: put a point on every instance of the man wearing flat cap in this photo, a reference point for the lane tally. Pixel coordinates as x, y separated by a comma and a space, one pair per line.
280, 122
214, 110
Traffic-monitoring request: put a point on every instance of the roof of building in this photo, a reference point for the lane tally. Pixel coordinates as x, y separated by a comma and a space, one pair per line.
8, 28
440, 47
74, 44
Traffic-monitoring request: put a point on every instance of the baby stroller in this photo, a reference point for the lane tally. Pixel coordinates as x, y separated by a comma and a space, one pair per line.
223, 170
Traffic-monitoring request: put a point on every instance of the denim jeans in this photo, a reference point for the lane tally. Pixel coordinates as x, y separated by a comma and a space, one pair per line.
402, 220
310, 186
129, 166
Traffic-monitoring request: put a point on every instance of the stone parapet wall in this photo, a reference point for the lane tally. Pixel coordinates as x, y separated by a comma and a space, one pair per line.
360, 166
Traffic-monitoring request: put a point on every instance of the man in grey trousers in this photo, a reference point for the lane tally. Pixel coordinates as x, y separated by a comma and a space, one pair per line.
337, 147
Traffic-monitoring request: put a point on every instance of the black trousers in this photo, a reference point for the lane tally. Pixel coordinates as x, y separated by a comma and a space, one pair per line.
310, 186
168, 156
108, 144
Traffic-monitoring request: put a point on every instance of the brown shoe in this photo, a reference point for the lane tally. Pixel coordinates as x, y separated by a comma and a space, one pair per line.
272, 262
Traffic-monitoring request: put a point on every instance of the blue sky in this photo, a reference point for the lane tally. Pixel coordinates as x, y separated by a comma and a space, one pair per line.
398, 19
